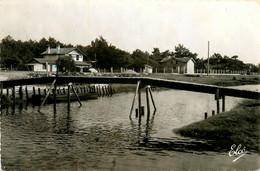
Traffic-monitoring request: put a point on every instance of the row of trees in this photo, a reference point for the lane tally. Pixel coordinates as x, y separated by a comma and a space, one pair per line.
15, 54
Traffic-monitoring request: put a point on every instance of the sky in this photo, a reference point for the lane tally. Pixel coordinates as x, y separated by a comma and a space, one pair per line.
231, 26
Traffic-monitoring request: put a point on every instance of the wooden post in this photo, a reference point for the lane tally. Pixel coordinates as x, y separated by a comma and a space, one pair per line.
142, 109
1, 95
68, 98
7, 92
45, 92
64, 91
156, 70
33, 90
26, 94
49, 91
54, 96
152, 99
217, 99
213, 112
139, 103
206, 115
39, 91
136, 113
223, 103
164, 70
103, 91
21, 93
76, 95
14, 94
147, 101
136, 92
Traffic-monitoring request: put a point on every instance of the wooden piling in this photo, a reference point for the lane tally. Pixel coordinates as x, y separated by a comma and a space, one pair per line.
33, 90
132, 107
139, 104
54, 96
103, 91
147, 101
223, 103
142, 109
13, 95
152, 99
26, 94
68, 98
75, 93
39, 91
54, 81
206, 115
217, 99
20, 93
1, 95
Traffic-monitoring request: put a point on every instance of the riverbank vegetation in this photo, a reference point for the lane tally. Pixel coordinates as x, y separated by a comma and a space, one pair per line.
241, 125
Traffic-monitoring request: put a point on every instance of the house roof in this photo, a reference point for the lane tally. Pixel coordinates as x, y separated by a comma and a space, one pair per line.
183, 60
148, 66
52, 60
63, 51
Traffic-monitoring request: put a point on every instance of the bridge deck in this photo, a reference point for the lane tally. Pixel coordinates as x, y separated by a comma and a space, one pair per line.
172, 84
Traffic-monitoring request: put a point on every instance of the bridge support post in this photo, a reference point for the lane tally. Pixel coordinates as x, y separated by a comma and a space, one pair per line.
54, 96
13, 95
223, 103
139, 104
68, 98
152, 100
137, 88
73, 90
217, 99
147, 101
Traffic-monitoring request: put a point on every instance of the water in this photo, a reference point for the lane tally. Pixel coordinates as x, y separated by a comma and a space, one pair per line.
100, 136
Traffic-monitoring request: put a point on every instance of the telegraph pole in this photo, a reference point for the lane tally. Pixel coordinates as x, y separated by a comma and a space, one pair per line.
208, 60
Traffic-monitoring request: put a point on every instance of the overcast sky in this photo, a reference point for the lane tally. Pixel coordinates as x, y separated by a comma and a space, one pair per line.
231, 26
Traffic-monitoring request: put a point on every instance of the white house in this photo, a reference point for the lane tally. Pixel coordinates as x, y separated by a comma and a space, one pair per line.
178, 65
47, 61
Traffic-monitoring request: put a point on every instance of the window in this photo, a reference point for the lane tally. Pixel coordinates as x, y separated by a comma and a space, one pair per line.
70, 55
44, 66
176, 62
77, 57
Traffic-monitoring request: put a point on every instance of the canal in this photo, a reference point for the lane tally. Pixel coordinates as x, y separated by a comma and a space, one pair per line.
100, 136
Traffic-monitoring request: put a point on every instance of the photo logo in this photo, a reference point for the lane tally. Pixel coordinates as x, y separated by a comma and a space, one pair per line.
237, 151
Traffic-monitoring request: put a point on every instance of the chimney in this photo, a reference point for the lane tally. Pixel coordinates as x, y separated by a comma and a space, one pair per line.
48, 49
58, 48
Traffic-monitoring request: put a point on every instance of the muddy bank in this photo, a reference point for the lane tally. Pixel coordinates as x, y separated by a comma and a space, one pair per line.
241, 125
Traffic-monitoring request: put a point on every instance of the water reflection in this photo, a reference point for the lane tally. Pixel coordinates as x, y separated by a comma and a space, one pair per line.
99, 135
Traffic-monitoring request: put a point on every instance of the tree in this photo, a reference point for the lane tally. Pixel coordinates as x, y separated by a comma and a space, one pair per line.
181, 51
66, 64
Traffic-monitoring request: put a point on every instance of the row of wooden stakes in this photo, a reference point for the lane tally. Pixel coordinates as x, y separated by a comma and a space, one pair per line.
25, 94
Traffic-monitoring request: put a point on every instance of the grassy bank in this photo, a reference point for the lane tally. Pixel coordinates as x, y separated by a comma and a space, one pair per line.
238, 126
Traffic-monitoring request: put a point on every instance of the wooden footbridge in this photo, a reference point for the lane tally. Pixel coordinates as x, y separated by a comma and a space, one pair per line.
219, 92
